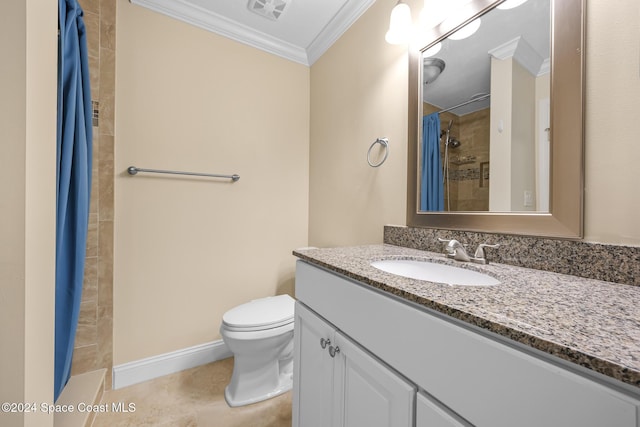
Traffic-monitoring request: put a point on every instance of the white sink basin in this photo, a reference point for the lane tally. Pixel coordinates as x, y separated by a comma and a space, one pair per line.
434, 272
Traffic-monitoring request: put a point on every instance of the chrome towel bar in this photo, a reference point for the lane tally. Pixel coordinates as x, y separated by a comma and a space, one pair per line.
134, 170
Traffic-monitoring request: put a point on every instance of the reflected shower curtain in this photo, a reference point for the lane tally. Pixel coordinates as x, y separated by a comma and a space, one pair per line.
431, 186
74, 153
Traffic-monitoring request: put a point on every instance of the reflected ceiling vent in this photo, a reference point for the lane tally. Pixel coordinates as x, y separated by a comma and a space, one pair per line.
271, 9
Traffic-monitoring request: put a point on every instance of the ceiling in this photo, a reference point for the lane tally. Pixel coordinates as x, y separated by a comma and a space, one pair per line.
302, 32
522, 33
305, 29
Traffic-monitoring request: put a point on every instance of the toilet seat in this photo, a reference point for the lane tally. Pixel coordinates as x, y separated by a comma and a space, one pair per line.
260, 314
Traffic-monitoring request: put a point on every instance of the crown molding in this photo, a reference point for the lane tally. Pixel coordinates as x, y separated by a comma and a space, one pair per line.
223, 26
524, 54
349, 14
211, 21
545, 68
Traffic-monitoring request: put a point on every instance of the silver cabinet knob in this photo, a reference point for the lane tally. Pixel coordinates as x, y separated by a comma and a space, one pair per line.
333, 350
324, 343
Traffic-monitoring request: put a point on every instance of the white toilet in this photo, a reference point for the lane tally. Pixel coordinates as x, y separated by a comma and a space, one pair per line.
260, 336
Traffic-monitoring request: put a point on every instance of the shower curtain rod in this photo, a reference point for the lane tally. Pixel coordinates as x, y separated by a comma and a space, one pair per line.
480, 98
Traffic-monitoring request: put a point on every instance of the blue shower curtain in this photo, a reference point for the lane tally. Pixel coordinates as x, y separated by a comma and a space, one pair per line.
431, 188
74, 153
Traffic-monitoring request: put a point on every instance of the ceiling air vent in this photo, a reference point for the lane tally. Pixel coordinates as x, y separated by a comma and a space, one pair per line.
272, 9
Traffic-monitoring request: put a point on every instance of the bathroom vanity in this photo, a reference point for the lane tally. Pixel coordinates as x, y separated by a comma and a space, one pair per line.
377, 349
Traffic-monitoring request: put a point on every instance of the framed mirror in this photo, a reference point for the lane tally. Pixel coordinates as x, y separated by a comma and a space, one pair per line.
496, 121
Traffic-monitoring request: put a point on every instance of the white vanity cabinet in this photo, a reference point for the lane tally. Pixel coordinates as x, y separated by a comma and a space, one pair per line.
431, 414
465, 376
313, 376
338, 384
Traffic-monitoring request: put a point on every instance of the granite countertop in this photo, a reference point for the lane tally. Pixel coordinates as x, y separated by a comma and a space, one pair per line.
592, 323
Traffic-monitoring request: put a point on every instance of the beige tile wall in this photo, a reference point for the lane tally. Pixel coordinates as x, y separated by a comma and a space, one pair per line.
474, 138
94, 337
472, 130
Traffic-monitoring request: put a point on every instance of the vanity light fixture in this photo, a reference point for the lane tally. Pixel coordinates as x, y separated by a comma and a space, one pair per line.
435, 11
432, 14
399, 24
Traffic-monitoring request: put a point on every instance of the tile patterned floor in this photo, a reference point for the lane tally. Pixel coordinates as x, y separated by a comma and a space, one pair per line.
191, 398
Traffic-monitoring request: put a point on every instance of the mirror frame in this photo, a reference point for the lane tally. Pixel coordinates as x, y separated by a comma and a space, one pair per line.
565, 219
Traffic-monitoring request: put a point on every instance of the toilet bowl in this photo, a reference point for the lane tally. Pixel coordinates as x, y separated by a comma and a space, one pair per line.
260, 336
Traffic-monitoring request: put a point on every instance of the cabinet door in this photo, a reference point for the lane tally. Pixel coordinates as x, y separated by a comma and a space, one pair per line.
430, 414
313, 370
368, 393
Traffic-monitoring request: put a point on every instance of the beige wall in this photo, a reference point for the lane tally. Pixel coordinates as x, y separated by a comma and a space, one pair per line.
501, 114
27, 203
523, 131
358, 92
188, 249
612, 199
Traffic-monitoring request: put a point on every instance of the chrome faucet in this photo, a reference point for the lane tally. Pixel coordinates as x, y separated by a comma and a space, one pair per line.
457, 251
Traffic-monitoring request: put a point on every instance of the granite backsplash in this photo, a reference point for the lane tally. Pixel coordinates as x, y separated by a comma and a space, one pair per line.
612, 263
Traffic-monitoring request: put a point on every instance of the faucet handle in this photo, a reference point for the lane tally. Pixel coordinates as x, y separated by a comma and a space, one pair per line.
447, 241
480, 251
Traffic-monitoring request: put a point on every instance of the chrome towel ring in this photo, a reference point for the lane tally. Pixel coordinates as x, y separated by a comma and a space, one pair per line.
385, 143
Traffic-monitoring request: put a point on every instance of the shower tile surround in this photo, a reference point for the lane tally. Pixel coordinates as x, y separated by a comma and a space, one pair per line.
93, 345
467, 191
586, 320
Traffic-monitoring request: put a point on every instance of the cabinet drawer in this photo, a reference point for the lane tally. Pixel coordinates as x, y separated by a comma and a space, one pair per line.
486, 382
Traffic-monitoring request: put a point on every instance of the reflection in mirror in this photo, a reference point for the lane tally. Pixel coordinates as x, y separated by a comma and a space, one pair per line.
486, 101
496, 171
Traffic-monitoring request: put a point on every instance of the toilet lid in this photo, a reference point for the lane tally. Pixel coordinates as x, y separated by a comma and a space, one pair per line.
270, 311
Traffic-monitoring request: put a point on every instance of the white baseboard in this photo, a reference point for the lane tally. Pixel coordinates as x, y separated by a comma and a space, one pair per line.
168, 363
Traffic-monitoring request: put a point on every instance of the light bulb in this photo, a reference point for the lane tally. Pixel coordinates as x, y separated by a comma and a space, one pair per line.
434, 12
399, 24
